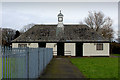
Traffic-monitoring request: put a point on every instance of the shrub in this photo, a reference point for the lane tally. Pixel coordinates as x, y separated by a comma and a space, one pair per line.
114, 48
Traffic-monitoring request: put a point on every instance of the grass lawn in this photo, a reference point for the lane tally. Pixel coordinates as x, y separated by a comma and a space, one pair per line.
115, 54
97, 67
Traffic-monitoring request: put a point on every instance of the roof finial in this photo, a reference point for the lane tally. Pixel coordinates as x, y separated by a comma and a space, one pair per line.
60, 14
60, 11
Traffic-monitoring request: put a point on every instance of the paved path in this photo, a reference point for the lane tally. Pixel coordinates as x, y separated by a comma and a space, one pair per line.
61, 68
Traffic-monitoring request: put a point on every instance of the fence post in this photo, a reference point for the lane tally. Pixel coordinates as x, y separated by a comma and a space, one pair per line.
7, 60
27, 49
2, 61
43, 59
38, 62
5, 64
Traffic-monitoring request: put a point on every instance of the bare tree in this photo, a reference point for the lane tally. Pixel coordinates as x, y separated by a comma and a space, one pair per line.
98, 22
117, 39
107, 32
26, 27
7, 36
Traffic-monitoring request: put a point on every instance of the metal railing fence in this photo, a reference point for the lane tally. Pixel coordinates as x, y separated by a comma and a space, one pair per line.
25, 62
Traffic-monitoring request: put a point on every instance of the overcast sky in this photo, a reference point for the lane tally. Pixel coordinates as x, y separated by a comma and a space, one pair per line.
17, 14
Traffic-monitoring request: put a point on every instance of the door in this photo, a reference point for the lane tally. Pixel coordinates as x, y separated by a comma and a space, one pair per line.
42, 44
60, 49
79, 49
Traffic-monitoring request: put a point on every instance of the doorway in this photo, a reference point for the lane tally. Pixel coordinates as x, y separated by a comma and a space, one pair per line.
42, 44
79, 49
60, 49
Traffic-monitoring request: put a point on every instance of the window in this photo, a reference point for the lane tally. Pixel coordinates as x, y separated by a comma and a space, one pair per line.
22, 45
99, 46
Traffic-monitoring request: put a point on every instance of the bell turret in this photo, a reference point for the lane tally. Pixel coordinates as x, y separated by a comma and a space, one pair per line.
60, 26
60, 20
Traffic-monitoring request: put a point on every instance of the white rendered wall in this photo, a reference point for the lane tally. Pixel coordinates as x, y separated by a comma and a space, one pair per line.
54, 46
30, 45
14, 45
70, 47
89, 49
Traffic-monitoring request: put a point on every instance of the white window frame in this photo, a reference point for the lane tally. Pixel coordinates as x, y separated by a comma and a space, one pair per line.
99, 46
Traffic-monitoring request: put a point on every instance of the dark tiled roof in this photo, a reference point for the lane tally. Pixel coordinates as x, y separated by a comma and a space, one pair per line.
48, 33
